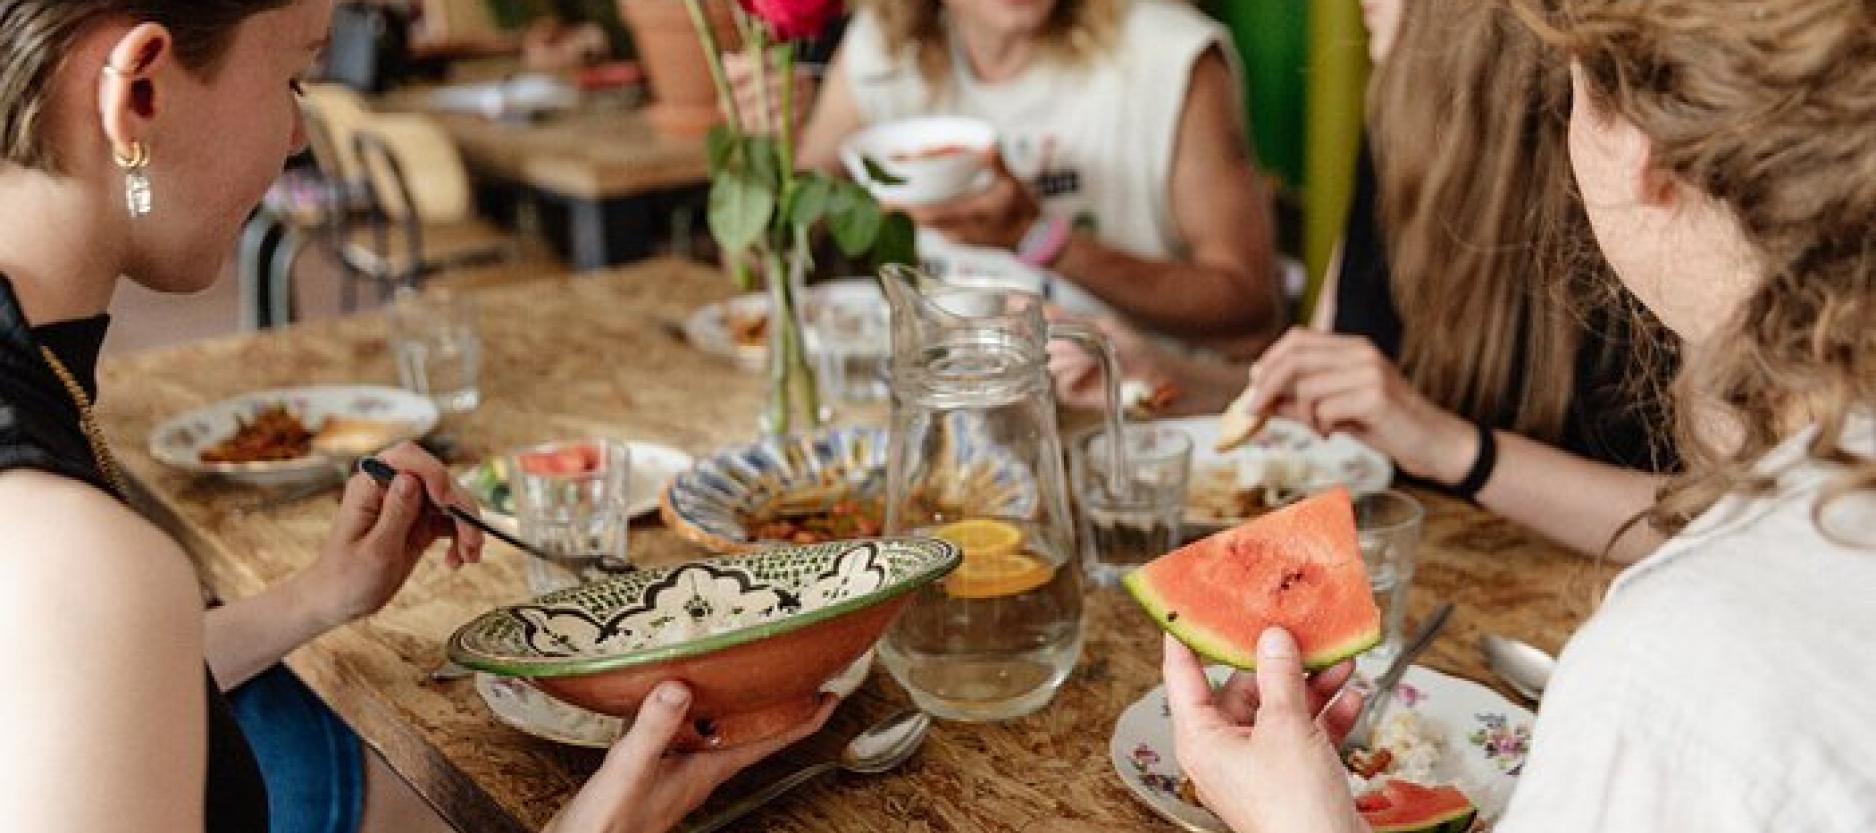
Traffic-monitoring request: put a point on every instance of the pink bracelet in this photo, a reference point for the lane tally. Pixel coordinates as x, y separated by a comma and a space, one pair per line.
1044, 242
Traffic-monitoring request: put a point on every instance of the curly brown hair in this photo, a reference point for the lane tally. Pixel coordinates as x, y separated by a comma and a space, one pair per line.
1768, 109
1077, 30
36, 35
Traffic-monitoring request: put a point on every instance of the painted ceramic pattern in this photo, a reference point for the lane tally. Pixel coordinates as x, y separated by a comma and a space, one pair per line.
712, 503
1486, 739
695, 608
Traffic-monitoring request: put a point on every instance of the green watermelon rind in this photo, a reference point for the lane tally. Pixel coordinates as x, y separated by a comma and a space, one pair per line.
1215, 650
1459, 820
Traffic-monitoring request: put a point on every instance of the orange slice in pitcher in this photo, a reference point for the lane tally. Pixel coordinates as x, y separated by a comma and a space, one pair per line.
998, 574
979, 537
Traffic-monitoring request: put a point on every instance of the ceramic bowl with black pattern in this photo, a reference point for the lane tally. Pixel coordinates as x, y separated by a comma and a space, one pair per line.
755, 637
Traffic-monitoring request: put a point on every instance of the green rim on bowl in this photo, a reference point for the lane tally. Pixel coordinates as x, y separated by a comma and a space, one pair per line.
618, 623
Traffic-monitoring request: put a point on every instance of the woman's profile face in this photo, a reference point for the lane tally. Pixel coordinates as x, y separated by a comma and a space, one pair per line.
218, 140
1004, 17
1382, 18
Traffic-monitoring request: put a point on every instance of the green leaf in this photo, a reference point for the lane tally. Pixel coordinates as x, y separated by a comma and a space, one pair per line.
897, 241
810, 201
740, 208
854, 220
764, 155
721, 145
745, 277
877, 173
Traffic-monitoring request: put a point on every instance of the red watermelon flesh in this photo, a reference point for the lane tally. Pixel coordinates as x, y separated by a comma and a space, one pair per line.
1298, 567
1406, 807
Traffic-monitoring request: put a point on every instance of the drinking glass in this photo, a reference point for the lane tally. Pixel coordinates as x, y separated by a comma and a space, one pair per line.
854, 341
436, 339
1388, 526
1122, 531
572, 500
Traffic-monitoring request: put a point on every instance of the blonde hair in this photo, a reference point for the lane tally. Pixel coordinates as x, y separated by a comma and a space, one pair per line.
1767, 109
1077, 31
1474, 194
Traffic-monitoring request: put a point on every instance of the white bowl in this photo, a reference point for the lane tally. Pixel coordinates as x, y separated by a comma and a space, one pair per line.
936, 157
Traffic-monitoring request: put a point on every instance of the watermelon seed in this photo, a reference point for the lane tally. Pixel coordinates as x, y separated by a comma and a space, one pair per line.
1290, 578
1172, 616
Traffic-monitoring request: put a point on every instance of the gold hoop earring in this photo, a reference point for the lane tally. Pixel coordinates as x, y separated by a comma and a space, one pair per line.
136, 168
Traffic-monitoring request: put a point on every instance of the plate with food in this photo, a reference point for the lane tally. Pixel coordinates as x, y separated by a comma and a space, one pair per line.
830, 486
1438, 734
738, 328
653, 466
291, 435
1283, 461
517, 703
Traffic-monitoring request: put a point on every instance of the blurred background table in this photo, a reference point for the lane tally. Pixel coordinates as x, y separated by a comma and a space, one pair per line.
599, 353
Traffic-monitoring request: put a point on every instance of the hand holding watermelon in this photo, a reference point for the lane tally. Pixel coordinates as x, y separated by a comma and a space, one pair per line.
1277, 772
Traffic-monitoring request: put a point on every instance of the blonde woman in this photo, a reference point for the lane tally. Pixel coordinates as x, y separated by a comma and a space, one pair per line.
1125, 167
1722, 685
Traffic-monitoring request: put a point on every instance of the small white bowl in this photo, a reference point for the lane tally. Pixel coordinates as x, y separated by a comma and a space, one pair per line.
936, 157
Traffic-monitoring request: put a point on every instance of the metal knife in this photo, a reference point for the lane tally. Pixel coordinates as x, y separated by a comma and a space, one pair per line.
1363, 728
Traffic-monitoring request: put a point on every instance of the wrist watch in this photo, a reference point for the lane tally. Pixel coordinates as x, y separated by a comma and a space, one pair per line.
1043, 244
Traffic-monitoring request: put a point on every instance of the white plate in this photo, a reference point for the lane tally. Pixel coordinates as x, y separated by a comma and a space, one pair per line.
1486, 738
707, 330
1337, 458
653, 467
522, 706
523, 95
181, 440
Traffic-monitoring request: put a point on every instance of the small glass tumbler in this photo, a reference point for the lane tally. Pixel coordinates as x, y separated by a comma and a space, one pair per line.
854, 342
1120, 532
436, 339
572, 500
1388, 526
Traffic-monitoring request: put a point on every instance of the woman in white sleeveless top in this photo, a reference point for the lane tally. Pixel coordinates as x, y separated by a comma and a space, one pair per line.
1127, 178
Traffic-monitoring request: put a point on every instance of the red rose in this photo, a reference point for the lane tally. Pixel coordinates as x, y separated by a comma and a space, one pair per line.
793, 19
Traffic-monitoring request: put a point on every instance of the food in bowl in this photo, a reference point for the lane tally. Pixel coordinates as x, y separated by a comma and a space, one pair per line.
271, 434
844, 519
934, 152
920, 160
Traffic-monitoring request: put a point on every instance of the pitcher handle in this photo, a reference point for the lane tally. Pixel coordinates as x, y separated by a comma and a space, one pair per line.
1096, 342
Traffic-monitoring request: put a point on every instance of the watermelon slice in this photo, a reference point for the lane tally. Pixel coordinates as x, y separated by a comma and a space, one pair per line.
1298, 567
1406, 807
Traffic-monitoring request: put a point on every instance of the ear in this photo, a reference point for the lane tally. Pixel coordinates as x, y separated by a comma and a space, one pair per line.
127, 84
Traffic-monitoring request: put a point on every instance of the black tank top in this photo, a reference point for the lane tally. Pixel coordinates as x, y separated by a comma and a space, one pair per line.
39, 429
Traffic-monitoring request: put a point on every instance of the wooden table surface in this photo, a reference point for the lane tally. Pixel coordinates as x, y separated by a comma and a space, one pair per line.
597, 353
598, 151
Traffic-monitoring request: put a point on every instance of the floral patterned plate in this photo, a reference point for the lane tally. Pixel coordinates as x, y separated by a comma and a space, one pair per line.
1485, 738
180, 441
523, 707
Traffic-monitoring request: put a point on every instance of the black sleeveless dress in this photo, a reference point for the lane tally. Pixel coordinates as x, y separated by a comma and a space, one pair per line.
39, 429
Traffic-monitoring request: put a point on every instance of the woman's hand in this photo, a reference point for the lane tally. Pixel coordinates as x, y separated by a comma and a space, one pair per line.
760, 109
998, 216
1077, 373
640, 789
1252, 749
380, 533
1343, 383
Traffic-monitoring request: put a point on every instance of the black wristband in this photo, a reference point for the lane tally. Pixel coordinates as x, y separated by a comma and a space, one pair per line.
1482, 466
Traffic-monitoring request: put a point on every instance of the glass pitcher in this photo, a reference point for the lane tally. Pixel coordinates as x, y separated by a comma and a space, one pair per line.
975, 458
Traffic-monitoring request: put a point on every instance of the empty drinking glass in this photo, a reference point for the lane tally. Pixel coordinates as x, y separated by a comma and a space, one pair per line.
1122, 531
573, 499
1388, 526
854, 340
436, 338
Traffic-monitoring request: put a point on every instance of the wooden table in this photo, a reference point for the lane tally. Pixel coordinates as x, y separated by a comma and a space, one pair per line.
591, 167
596, 352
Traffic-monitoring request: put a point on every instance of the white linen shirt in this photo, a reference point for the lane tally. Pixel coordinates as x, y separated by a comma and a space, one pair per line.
1728, 682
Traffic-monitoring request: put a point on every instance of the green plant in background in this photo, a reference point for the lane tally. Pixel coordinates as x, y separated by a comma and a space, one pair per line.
764, 213
517, 14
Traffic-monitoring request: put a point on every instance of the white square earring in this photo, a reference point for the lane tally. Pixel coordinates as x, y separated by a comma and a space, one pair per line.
136, 168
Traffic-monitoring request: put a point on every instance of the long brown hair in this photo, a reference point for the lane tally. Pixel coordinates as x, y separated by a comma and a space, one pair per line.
1469, 161
1077, 30
36, 35
1768, 110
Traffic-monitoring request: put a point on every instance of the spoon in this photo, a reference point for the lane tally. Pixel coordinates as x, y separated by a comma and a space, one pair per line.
1525, 668
384, 474
872, 752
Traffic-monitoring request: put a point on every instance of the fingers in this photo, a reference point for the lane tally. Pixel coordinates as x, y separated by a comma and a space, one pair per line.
413, 460
1281, 692
1299, 355
1188, 692
358, 508
401, 509
658, 720
1237, 698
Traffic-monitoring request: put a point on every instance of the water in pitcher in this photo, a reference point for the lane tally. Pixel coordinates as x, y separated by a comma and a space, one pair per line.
997, 637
